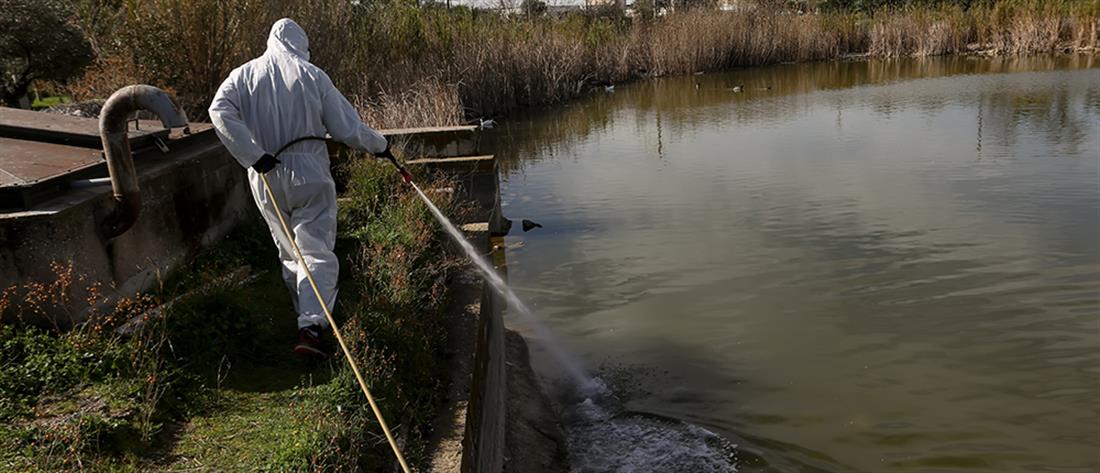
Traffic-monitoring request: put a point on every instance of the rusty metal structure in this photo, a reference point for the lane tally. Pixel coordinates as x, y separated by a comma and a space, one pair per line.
116, 148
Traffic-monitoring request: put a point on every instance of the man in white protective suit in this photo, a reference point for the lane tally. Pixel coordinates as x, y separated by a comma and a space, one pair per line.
264, 105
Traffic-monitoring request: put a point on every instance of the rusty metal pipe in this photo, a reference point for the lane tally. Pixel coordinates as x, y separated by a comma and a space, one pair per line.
116, 147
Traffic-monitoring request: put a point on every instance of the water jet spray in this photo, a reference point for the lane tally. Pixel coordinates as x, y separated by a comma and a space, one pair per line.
571, 365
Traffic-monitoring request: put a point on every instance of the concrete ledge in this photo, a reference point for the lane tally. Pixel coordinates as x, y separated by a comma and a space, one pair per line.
535, 439
476, 181
483, 445
475, 227
484, 163
488, 158
68, 130
460, 321
428, 130
434, 142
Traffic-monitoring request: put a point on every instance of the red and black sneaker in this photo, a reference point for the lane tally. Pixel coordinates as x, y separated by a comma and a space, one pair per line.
310, 344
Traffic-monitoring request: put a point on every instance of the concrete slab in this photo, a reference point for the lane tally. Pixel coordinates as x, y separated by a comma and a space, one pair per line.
33, 172
27, 162
429, 130
453, 160
475, 227
482, 163
433, 142
69, 130
40, 153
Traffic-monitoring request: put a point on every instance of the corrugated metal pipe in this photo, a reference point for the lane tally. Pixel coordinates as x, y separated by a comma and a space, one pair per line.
116, 147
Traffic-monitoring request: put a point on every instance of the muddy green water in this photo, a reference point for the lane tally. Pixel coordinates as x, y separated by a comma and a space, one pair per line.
860, 266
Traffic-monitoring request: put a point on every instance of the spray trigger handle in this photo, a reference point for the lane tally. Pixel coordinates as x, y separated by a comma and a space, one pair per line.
405, 175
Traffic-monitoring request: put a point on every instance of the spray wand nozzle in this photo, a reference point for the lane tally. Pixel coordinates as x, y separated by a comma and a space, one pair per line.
405, 175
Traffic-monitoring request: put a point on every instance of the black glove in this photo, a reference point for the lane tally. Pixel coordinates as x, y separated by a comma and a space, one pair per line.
385, 154
266, 163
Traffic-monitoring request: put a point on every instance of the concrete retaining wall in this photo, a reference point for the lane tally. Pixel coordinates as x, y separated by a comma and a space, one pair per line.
191, 198
483, 446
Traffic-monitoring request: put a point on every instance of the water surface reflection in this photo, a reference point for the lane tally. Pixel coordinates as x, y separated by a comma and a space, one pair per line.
855, 266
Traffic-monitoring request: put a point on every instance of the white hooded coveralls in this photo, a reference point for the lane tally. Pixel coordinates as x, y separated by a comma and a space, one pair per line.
267, 103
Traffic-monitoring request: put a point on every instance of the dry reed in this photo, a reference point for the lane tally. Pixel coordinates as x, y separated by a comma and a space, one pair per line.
409, 66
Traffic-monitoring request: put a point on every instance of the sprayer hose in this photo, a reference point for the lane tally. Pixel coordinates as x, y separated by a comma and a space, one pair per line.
298, 140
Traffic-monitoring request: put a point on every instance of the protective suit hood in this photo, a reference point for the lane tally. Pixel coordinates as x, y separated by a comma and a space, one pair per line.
288, 38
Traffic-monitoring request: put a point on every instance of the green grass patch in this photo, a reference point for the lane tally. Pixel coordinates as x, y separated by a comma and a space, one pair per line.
46, 102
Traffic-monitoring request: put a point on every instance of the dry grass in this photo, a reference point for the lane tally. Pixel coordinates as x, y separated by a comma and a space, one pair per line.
919, 33
408, 66
429, 101
1026, 27
703, 41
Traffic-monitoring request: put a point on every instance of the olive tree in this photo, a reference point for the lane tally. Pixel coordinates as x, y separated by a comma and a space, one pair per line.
37, 41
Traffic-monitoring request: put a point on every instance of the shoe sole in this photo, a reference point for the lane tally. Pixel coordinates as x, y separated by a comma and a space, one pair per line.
306, 350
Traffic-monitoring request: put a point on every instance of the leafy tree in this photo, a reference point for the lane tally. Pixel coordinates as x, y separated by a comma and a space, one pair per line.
37, 42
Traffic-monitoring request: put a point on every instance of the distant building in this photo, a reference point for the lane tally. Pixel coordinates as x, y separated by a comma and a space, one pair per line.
562, 9
556, 9
736, 5
621, 4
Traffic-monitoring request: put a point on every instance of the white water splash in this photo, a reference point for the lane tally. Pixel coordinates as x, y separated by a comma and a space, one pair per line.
604, 438
568, 362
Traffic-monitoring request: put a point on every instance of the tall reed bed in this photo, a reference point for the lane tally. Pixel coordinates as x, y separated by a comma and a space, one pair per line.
1023, 27
407, 66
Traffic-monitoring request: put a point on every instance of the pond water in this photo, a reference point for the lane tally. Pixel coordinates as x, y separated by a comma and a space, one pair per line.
883, 266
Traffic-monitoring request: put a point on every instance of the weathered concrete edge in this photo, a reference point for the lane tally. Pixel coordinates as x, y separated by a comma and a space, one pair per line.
429, 129
535, 440
434, 142
460, 321
483, 445
190, 201
498, 419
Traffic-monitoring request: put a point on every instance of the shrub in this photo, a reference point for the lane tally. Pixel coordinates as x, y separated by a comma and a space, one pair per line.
37, 42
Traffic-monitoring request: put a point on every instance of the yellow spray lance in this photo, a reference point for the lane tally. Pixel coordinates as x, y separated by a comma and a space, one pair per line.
405, 176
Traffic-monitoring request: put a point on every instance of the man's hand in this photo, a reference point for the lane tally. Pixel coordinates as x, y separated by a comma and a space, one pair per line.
266, 163
385, 154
